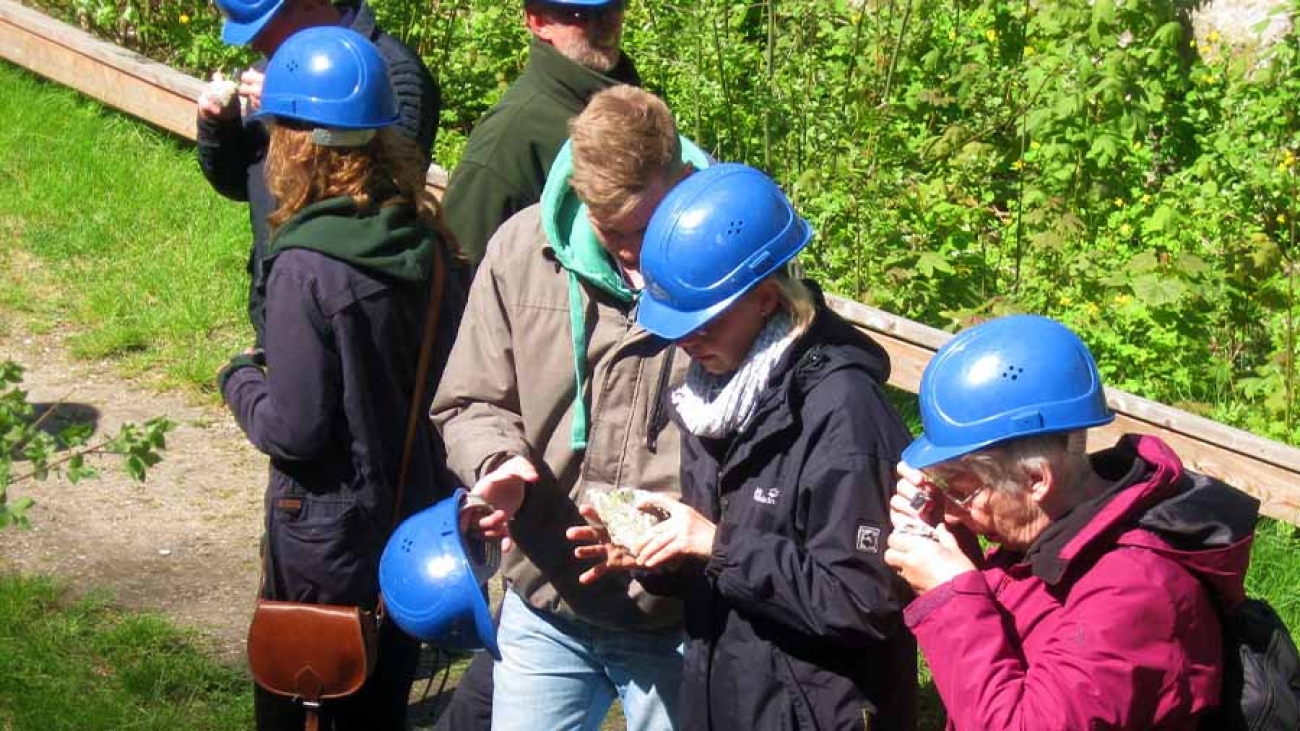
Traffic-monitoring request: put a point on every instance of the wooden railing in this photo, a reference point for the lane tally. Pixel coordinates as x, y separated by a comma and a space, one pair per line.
165, 97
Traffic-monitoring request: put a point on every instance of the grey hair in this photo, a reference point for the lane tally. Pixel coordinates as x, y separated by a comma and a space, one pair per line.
1008, 467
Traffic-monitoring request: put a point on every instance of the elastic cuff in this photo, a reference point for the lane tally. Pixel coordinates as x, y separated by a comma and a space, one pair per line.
242, 360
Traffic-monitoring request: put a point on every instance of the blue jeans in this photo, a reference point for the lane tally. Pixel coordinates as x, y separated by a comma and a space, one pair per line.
561, 675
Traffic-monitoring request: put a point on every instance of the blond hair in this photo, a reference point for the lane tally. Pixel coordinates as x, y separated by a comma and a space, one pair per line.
796, 299
387, 171
624, 142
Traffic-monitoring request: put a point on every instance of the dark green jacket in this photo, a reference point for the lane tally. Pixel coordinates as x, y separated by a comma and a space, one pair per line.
509, 153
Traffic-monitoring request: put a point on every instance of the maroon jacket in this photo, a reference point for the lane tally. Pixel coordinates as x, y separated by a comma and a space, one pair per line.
1108, 620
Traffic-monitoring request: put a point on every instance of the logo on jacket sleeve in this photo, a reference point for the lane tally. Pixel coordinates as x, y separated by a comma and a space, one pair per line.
868, 539
768, 496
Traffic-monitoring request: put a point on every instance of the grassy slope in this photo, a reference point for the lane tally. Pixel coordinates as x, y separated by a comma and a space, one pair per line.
83, 665
107, 227
79, 187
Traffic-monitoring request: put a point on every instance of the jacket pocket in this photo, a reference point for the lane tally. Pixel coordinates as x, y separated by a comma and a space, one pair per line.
324, 551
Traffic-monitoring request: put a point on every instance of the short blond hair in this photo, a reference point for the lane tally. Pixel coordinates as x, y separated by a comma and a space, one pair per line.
624, 142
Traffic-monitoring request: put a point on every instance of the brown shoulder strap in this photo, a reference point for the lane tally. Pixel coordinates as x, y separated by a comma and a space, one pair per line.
421, 369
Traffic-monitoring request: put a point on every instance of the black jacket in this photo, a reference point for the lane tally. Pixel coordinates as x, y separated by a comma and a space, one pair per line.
795, 620
231, 152
346, 302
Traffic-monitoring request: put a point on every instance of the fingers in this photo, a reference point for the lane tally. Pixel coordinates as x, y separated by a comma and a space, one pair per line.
586, 534
646, 500
590, 513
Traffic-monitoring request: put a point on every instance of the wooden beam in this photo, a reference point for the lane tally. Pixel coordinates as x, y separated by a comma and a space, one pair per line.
115, 76
165, 97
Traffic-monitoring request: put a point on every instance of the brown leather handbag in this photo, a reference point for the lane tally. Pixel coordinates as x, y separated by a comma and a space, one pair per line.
319, 652
314, 652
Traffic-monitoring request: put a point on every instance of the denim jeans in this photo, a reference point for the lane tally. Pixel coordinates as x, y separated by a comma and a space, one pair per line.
561, 675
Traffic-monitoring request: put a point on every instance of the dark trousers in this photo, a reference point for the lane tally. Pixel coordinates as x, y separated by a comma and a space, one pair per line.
471, 703
380, 705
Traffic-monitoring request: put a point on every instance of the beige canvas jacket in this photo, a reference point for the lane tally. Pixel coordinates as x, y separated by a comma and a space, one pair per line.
508, 389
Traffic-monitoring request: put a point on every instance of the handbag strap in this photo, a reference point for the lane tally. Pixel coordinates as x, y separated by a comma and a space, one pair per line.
431, 318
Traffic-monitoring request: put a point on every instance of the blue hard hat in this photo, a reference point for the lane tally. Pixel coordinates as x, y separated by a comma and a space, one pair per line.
244, 19
431, 577
1007, 378
331, 77
716, 235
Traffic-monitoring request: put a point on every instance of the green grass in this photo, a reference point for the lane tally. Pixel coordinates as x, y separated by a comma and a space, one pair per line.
108, 228
83, 665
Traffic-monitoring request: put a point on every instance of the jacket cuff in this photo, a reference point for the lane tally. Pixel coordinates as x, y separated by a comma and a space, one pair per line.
970, 582
718, 558
243, 360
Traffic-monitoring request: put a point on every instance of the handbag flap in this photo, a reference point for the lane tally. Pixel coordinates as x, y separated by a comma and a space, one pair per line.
310, 651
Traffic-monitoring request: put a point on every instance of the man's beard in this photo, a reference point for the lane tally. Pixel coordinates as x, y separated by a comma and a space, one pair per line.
600, 58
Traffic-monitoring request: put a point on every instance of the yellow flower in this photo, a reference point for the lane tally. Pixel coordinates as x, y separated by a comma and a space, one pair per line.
1018, 165
1125, 229
185, 19
1122, 299
952, 35
1119, 202
1034, 145
1093, 309
1029, 51
1066, 300
1214, 36
1146, 197
1208, 78
991, 34
1281, 219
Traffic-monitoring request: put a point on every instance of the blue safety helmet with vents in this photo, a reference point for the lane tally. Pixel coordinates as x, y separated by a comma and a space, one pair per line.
716, 235
244, 19
1007, 378
431, 578
330, 77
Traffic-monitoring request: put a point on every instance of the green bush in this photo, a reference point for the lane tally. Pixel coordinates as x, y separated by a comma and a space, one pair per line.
1089, 161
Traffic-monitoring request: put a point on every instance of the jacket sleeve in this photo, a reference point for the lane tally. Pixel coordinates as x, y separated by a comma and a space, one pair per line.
476, 407
288, 412
833, 584
1115, 660
419, 100
477, 202
225, 150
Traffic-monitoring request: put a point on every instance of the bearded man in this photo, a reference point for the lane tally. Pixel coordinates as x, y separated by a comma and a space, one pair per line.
575, 52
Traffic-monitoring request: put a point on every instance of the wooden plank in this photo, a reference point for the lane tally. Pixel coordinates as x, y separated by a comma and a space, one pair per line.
165, 97
1266, 469
120, 78
134, 94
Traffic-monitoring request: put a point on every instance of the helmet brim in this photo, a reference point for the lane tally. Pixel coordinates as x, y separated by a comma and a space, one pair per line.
922, 452
674, 324
234, 33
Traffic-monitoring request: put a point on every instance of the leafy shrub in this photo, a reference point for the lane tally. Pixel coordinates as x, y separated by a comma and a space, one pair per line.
959, 159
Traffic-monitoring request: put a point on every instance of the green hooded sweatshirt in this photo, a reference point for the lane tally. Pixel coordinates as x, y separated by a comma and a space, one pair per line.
391, 241
569, 232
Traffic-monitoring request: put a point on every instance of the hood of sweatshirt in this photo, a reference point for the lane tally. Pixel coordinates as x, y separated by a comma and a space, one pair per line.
390, 241
573, 240
1203, 524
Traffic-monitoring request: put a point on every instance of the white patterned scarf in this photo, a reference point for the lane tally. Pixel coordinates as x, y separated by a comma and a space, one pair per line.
718, 406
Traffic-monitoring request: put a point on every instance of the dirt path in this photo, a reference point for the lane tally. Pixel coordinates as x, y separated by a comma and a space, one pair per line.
184, 542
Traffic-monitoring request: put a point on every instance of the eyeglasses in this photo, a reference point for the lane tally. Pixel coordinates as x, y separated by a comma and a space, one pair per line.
961, 501
582, 14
